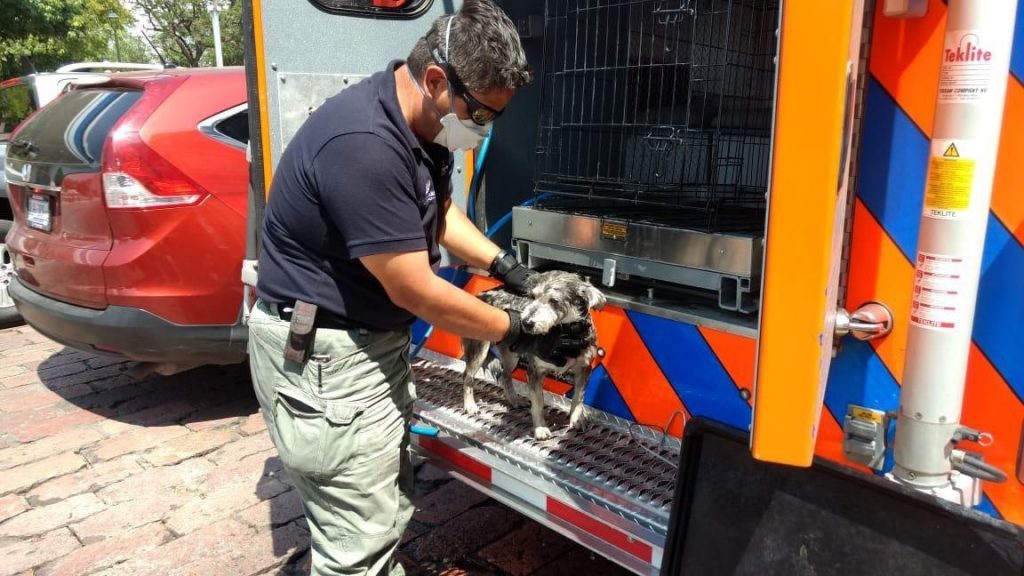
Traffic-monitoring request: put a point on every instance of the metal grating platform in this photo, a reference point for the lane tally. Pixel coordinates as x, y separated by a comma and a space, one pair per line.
621, 468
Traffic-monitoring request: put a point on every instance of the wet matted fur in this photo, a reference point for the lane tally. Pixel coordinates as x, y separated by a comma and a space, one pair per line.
554, 297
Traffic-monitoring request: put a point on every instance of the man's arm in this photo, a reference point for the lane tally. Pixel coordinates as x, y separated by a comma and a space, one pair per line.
412, 285
465, 240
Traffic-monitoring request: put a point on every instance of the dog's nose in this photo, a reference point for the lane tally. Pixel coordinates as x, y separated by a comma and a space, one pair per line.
529, 324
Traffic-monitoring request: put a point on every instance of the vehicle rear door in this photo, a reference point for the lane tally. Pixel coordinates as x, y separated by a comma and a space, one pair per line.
301, 53
807, 205
61, 234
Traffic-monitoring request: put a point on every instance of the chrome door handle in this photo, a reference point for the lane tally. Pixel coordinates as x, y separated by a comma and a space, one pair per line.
872, 320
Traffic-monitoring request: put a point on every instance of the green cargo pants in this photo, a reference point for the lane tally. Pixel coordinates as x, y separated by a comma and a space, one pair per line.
340, 425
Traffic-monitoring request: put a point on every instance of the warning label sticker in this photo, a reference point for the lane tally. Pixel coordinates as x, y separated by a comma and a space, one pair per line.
950, 180
938, 291
966, 73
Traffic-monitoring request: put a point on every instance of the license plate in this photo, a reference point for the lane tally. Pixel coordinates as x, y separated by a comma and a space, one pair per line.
38, 215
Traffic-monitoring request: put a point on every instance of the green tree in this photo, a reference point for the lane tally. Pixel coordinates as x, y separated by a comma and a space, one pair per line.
40, 35
124, 46
135, 49
231, 35
180, 31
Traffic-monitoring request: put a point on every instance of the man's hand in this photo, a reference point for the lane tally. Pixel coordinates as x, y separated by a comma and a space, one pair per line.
515, 276
557, 346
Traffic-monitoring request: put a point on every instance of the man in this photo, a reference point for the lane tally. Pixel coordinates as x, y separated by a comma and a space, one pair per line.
358, 207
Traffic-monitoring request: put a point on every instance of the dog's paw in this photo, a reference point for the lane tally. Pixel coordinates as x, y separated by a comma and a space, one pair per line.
470, 406
579, 422
541, 433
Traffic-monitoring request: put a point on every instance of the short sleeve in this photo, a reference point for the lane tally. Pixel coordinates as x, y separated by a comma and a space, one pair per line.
367, 190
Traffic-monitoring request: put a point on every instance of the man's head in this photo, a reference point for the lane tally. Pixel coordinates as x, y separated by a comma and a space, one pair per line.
469, 64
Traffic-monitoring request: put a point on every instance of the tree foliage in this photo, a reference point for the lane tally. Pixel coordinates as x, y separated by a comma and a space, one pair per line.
40, 35
134, 49
181, 31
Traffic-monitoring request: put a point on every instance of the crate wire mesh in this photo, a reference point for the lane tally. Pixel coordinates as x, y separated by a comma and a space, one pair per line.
658, 111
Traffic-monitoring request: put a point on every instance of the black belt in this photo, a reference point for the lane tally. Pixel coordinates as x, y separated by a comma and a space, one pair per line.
324, 319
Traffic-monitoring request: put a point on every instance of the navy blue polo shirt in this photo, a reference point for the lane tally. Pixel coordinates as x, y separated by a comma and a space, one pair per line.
354, 181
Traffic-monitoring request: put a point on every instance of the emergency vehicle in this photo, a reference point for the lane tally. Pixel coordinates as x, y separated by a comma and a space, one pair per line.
808, 218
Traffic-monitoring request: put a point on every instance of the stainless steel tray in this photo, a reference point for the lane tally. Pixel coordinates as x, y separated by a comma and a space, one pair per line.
728, 263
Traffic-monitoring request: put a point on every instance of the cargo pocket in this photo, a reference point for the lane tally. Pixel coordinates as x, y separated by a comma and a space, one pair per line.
316, 437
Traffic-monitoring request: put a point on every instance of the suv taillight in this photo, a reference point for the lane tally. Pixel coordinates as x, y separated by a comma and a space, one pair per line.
123, 191
134, 175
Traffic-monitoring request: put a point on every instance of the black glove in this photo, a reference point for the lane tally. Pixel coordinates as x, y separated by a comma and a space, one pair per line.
557, 346
506, 268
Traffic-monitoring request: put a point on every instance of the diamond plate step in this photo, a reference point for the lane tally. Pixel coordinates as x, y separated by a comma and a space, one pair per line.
626, 469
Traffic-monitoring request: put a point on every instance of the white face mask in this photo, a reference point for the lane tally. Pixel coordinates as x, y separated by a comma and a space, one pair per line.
459, 134
456, 133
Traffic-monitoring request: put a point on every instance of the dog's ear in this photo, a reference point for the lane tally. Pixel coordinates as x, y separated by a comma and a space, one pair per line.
595, 298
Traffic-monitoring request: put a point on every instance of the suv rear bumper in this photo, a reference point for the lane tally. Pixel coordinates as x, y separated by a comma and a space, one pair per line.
128, 332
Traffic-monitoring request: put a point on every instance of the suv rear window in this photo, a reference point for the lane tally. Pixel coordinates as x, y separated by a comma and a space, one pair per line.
16, 103
235, 127
72, 129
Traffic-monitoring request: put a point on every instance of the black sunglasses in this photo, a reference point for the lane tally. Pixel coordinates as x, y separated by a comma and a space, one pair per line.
481, 113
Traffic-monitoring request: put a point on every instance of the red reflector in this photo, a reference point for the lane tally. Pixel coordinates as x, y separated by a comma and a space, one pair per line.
597, 528
389, 4
455, 457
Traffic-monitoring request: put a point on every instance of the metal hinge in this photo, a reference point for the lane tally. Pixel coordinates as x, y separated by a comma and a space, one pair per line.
864, 436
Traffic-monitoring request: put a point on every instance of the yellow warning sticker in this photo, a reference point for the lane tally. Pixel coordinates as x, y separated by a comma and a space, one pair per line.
868, 414
614, 230
950, 181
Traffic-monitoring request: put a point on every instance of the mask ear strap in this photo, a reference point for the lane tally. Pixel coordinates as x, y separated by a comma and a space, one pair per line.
423, 92
448, 63
447, 35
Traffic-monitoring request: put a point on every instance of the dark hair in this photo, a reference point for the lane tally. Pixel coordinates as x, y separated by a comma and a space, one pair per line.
483, 46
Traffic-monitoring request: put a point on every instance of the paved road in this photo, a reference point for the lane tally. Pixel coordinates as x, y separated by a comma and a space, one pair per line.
101, 473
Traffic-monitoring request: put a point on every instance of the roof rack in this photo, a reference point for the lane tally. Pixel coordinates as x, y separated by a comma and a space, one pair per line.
108, 66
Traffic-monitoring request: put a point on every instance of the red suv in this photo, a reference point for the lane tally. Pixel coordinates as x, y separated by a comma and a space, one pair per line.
129, 200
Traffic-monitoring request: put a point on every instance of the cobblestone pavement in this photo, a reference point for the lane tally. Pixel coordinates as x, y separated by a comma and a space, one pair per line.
101, 473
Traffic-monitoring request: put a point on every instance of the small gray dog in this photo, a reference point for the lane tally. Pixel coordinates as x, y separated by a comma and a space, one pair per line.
554, 297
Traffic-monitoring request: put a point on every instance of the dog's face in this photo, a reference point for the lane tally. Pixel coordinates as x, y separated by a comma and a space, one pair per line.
559, 297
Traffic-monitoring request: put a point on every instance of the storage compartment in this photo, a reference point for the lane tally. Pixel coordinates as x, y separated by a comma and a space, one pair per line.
654, 143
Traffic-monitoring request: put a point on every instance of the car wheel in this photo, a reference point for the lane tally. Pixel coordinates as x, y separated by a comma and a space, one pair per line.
8, 313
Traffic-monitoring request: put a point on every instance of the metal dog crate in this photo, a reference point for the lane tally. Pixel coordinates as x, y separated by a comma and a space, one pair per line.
654, 142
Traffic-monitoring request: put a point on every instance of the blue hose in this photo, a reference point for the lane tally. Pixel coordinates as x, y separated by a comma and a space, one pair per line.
478, 173
501, 222
474, 187
419, 345
508, 217
470, 208
489, 233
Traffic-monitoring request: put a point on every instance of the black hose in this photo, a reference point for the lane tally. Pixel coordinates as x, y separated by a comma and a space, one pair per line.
977, 468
